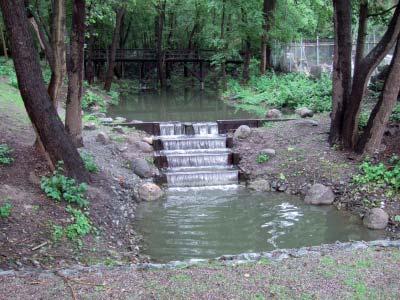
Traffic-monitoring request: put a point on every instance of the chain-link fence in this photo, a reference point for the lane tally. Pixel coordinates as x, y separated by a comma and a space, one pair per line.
309, 55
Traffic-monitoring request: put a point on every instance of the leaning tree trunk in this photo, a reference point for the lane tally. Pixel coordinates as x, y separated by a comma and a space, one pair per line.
268, 10
58, 47
341, 76
42, 113
362, 32
373, 133
362, 74
3, 41
113, 51
73, 118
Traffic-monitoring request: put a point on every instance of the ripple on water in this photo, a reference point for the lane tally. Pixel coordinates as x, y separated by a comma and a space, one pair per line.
206, 223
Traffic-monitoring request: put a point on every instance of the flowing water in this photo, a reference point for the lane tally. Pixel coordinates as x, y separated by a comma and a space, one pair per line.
176, 105
206, 223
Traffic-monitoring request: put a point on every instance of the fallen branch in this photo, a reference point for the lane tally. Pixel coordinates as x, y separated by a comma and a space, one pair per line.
40, 246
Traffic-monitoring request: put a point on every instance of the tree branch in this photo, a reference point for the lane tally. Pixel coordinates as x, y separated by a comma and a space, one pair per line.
382, 12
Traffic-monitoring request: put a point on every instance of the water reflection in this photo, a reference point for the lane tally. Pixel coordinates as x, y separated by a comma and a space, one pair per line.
206, 224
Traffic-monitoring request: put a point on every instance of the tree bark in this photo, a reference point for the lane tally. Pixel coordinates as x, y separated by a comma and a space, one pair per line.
341, 76
371, 138
3, 42
113, 51
268, 11
361, 77
73, 118
362, 32
90, 72
37, 101
246, 61
58, 47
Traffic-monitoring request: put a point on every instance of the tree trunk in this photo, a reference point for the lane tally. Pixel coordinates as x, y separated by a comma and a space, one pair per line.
73, 118
3, 41
268, 11
341, 76
371, 139
362, 32
222, 37
246, 61
113, 51
361, 77
42, 113
90, 72
58, 47
159, 28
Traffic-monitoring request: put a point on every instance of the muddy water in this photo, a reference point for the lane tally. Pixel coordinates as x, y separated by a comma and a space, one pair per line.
204, 223
186, 105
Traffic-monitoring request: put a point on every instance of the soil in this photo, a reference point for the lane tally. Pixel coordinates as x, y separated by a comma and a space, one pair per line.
26, 236
304, 157
337, 273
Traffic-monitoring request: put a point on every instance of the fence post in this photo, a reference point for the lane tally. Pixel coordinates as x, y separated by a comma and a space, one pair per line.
317, 50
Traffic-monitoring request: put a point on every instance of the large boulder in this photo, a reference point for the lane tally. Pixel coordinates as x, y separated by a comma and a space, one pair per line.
319, 194
149, 192
268, 151
103, 138
242, 132
144, 147
304, 112
90, 126
273, 114
376, 218
260, 185
141, 168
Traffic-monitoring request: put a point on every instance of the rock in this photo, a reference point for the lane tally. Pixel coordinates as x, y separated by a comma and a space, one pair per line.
319, 194
118, 129
242, 132
316, 72
148, 140
99, 114
149, 192
376, 218
268, 151
307, 123
90, 126
144, 147
103, 138
120, 120
33, 178
304, 112
122, 148
106, 120
141, 168
260, 185
273, 114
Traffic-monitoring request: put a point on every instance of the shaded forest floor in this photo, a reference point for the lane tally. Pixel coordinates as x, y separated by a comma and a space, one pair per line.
370, 273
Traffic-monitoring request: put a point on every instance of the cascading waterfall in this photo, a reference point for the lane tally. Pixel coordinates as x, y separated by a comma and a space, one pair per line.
196, 155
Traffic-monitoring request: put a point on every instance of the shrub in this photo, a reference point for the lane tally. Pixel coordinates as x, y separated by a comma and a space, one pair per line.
114, 95
59, 187
5, 210
81, 226
5, 153
262, 158
89, 162
363, 120
291, 90
91, 99
395, 117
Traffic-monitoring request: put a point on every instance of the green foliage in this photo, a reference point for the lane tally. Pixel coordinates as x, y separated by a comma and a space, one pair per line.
395, 117
60, 187
7, 70
5, 210
89, 162
397, 218
380, 174
262, 158
5, 152
91, 99
363, 120
81, 225
291, 90
58, 233
114, 95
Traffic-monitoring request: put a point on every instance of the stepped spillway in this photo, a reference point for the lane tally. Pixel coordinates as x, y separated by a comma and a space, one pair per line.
195, 155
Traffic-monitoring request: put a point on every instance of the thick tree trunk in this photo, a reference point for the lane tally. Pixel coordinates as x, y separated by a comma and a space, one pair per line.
361, 77
113, 51
341, 76
37, 101
73, 118
362, 32
58, 47
159, 28
90, 72
3, 42
371, 139
268, 11
246, 61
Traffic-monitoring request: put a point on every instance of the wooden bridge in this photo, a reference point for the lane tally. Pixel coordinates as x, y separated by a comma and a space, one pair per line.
150, 55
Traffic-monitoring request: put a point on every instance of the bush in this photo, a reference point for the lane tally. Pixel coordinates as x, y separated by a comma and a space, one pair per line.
60, 187
5, 152
89, 162
5, 210
91, 99
395, 117
262, 158
291, 90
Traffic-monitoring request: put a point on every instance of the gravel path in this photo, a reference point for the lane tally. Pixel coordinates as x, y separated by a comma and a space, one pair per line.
370, 273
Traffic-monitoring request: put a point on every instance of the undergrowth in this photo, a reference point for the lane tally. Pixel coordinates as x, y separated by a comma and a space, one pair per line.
5, 154
262, 158
90, 164
292, 90
5, 210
